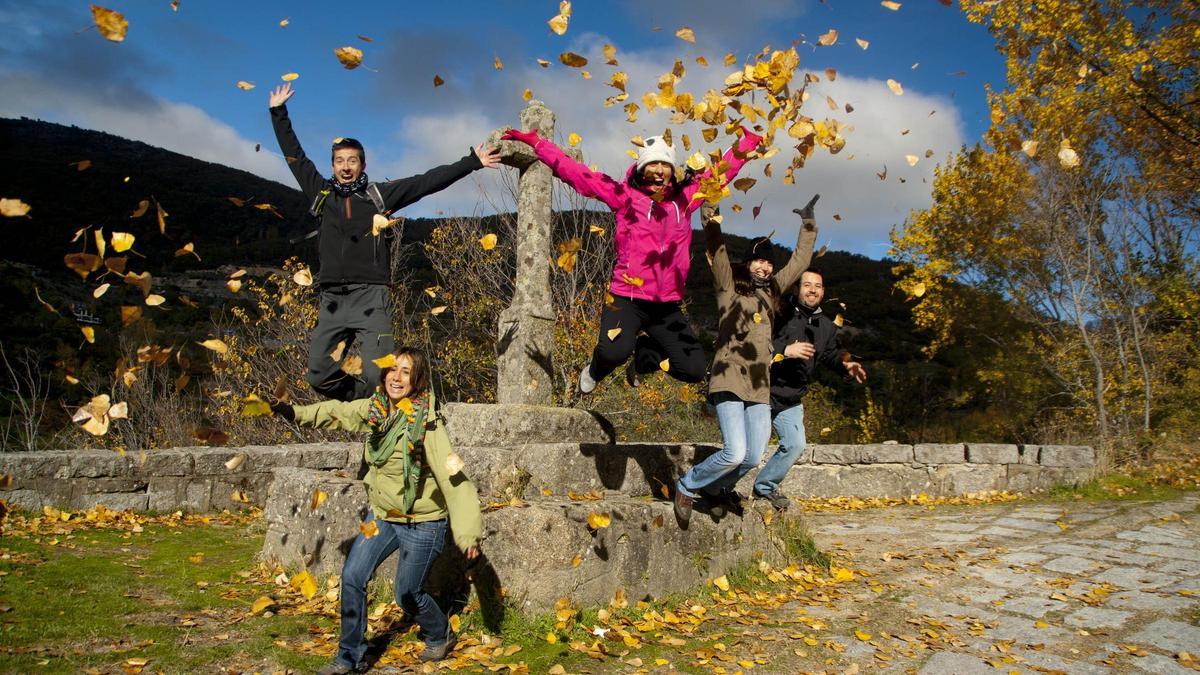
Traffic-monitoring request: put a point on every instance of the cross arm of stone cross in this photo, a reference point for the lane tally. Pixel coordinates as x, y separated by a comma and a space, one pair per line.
519, 155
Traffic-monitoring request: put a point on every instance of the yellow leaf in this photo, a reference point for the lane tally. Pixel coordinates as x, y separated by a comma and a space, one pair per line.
255, 407
454, 464
352, 365
438, 81
551, 637
284, 22
557, 669
455, 623
234, 285
101, 290
757, 317
633, 281
235, 462
111, 24
318, 498
777, 358
288, 77
572, 59
912, 159
686, 34
841, 573
610, 55
665, 365
303, 277
305, 583
437, 310
862, 43
488, 241
1029, 148
862, 635
527, 94
405, 405
498, 65
350, 57
1040, 624
613, 333
894, 6
596, 230
722, 582
369, 529
260, 605
918, 290
597, 521
1066, 155
576, 561
895, 87
154, 300
574, 139
130, 314
828, 39
838, 320
384, 362
13, 208
244, 85
89, 333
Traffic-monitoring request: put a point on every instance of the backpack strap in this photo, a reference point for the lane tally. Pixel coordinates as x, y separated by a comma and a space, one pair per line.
376, 198
318, 205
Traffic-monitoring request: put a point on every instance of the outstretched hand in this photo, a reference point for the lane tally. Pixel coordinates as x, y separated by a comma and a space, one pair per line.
527, 137
806, 213
488, 157
710, 212
280, 94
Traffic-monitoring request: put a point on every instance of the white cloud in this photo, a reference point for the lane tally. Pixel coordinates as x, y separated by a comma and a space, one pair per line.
178, 127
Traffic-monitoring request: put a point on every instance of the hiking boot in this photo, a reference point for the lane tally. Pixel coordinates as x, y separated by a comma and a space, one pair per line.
439, 652
631, 375
336, 668
683, 508
777, 499
725, 501
586, 384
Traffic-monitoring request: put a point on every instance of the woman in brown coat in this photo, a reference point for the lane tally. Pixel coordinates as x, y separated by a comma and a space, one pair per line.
739, 384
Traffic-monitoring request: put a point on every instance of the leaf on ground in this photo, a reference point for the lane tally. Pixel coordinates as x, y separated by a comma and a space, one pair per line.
722, 582
598, 521
261, 605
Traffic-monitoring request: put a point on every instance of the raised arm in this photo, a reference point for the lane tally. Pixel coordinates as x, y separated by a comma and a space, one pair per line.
400, 193
735, 158
718, 256
592, 184
802, 254
310, 180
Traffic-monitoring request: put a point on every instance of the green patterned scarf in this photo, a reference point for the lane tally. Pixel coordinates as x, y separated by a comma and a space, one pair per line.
404, 429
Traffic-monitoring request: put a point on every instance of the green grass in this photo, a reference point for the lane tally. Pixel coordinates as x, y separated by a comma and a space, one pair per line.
1114, 487
99, 597
799, 546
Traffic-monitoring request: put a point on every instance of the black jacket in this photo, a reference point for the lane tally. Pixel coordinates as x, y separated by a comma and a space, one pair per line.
797, 323
348, 252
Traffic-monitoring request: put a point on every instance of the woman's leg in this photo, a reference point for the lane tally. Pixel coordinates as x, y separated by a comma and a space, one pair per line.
732, 419
672, 338
789, 424
420, 545
610, 353
364, 558
758, 433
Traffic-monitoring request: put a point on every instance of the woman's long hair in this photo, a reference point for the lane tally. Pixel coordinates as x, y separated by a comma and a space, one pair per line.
420, 377
743, 284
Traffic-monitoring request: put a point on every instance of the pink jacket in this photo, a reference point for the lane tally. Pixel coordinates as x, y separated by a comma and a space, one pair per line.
653, 239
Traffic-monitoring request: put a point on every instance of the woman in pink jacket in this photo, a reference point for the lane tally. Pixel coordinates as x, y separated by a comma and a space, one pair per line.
653, 238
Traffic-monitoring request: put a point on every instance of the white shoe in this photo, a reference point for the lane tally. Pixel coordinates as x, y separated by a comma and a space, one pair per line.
586, 384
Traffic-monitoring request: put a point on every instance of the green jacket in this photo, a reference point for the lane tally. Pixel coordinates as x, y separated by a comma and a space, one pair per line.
454, 495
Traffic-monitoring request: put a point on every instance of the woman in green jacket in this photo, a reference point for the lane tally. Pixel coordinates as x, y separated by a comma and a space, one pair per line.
739, 384
414, 483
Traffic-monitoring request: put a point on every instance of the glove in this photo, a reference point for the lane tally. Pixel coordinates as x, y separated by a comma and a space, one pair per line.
747, 132
709, 211
806, 213
284, 410
529, 138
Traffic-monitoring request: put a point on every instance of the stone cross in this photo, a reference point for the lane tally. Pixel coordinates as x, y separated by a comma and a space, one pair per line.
526, 337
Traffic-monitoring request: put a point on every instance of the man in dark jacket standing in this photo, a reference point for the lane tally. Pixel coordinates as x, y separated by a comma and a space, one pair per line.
356, 265
804, 337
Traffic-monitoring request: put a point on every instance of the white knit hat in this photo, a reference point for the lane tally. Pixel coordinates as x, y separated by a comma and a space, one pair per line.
655, 149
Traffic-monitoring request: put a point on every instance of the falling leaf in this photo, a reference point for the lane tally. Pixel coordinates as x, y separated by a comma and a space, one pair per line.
574, 139
895, 87
596, 230
918, 290
368, 529
318, 498
558, 23
828, 39
894, 6
777, 358
162, 217
632, 281
234, 285
305, 583
386, 361
154, 300
352, 365
912, 159
438, 81
350, 57
610, 55
838, 320
497, 64
255, 407
572, 59
744, 184
722, 582
1066, 155
488, 241
13, 208
244, 85
613, 333
527, 94
337, 352
215, 345
235, 462
260, 605
598, 521
437, 310
210, 436
100, 290
288, 77
122, 241
284, 22
454, 464
82, 263
686, 34
1029, 148
665, 365
883, 176
89, 333
130, 314
111, 24
543, 63
303, 277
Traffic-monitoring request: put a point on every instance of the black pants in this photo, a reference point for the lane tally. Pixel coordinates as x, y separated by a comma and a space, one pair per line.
348, 312
668, 336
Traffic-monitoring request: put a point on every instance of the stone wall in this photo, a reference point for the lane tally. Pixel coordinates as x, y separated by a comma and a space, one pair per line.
205, 479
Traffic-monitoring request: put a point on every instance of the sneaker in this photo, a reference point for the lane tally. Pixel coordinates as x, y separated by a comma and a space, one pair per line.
586, 384
335, 668
631, 376
439, 652
725, 501
777, 499
683, 508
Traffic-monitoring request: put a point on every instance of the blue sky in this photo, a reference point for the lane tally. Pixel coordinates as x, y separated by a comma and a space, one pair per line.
172, 83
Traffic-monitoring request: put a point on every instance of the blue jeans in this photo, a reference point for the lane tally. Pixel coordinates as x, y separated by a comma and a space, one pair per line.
745, 430
419, 544
789, 424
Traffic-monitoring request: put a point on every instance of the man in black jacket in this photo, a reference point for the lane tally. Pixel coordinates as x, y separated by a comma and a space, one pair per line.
356, 265
804, 337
